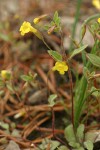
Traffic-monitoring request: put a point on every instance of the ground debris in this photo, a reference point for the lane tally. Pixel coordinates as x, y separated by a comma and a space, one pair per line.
12, 146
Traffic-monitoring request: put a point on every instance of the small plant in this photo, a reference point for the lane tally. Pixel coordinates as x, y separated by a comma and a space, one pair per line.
77, 139
81, 91
74, 133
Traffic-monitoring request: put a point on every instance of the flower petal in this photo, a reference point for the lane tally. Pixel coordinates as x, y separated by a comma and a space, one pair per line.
61, 67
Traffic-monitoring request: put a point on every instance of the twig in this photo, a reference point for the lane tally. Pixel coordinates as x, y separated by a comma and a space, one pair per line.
53, 122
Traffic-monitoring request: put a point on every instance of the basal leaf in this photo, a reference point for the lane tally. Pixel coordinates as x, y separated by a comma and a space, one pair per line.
74, 144
91, 136
4, 125
63, 148
69, 134
53, 144
51, 99
80, 148
80, 132
89, 145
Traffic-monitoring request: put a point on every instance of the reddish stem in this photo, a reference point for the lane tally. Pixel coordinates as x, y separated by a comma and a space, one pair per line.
71, 90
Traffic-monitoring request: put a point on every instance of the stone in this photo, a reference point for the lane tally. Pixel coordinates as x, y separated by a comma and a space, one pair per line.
12, 146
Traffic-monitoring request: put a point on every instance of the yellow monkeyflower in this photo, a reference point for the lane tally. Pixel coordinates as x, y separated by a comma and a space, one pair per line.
61, 67
98, 20
26, 27
96, 3
38, 19
5, 74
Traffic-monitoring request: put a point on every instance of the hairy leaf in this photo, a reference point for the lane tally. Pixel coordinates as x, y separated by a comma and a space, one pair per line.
80, 132
89, 145
51, 99
69, 134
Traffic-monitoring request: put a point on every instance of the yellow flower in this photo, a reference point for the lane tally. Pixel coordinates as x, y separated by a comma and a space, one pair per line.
5, 74
38, 19
61, 67
96, 3
98, 20
26, 27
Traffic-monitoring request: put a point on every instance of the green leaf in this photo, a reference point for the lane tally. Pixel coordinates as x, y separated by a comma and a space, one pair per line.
55, 17
26, 78
33, 76
16, 133
2, 84
95, 92
91, 136
92, 74
77, 51
1, 92
51, 99
10, 88
69, 134
58, 21
46, 27
52, 24
74, 144
4, 37
57, 56
88, 145
53, 144
80, 148
4, 125
94, 59
63, 148
87, 74
95, 27
80, 132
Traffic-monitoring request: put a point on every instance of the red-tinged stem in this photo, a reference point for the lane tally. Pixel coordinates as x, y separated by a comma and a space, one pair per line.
71, 90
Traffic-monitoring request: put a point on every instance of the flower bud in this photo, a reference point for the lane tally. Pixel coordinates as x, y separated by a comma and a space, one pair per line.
5, 74
38, 19
98, 20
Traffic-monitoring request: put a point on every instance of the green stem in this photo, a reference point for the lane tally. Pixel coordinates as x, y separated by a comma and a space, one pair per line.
80, 98
46, 44
71, 91
79, 2
91, 18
